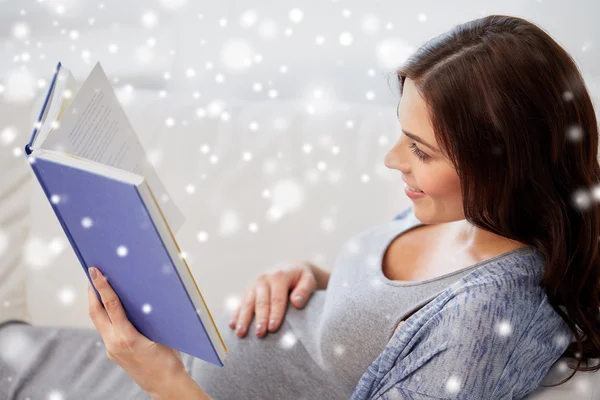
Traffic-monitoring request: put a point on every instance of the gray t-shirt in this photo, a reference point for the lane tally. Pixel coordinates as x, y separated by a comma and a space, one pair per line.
322, 350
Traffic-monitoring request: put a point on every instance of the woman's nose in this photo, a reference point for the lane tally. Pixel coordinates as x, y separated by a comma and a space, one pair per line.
395, 159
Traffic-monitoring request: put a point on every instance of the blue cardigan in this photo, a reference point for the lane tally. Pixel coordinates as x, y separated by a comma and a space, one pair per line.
491, 335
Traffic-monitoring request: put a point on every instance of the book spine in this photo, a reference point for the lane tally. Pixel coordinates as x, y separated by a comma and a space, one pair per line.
50, 89
40, 179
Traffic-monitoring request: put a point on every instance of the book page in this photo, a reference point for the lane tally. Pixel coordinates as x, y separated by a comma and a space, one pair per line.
95, 127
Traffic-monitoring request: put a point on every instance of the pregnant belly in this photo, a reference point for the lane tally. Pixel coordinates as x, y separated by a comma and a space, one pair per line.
276, 366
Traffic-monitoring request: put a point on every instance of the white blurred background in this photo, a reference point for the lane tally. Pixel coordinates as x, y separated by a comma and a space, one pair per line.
267, 121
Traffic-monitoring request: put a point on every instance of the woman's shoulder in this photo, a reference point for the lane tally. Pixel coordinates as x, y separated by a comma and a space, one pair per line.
510, 286
495, 327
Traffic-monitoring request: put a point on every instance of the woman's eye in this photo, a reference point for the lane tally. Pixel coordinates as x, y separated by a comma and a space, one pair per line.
422, 156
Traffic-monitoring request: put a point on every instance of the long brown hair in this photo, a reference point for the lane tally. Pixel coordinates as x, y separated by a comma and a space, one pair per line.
511, 111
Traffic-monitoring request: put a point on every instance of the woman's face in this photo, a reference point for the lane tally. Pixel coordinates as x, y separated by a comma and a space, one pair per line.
433, 173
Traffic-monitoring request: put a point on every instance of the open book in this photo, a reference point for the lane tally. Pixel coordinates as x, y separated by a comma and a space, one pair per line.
116, 213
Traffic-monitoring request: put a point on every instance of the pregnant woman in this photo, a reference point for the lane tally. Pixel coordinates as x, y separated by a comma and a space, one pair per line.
473, 291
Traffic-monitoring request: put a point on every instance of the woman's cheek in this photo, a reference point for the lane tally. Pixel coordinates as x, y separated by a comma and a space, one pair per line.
445, 185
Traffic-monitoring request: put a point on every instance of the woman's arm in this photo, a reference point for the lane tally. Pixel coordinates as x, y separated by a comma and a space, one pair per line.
182, 387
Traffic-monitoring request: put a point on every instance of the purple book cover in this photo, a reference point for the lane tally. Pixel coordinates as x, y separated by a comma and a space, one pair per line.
108, 226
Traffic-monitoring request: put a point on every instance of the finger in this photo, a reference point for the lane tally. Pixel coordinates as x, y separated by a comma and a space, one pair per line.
280, 286
303, 289
234, 316
111, 301
262, 306
246, 313
97, 313
236, 312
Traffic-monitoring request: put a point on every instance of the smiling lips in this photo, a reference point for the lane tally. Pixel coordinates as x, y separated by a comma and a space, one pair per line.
412, 187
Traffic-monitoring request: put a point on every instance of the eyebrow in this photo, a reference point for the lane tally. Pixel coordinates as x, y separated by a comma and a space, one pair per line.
418, 139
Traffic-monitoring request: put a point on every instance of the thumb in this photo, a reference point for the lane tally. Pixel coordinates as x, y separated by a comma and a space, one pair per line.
306, 285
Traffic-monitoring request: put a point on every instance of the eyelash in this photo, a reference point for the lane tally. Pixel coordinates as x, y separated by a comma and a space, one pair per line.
422, 156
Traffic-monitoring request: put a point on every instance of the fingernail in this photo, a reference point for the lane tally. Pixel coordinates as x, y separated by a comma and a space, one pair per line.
93, 272
239, 330
299, 299
259, 328
272, 324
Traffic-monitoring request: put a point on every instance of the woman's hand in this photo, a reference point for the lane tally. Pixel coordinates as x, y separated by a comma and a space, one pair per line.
151, 365
268, 295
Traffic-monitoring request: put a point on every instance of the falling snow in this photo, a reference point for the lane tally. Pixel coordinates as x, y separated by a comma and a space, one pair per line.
86, 222
265, 56
67, 296
288, 340
122, 251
